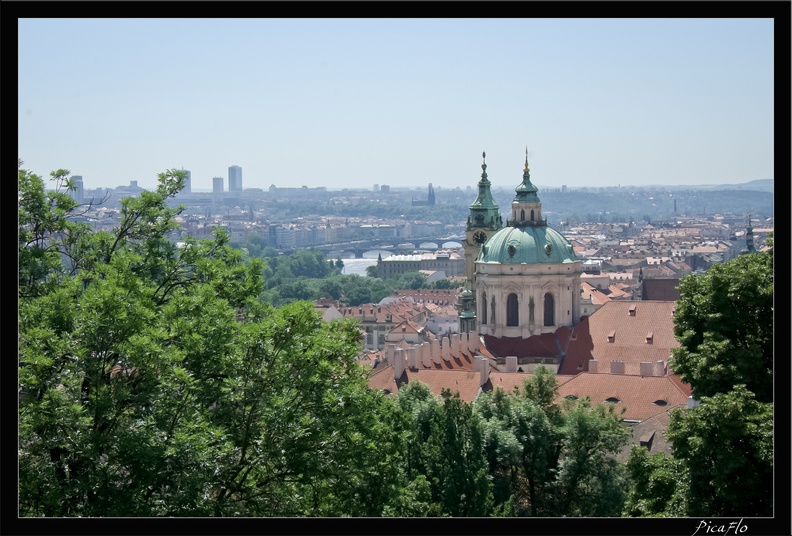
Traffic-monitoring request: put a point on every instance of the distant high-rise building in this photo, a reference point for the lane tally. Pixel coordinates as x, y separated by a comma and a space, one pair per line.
77, 194
385, 189
187, 182
217, 185
234, 179
376, 188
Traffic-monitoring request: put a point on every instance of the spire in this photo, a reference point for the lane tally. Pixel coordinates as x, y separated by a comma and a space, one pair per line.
484, 210
526, 191
526, 206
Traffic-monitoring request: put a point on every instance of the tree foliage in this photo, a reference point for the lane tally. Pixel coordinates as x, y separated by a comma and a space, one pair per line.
444, 447
153, 382
550, 460
726, 444
658, 487
724, 324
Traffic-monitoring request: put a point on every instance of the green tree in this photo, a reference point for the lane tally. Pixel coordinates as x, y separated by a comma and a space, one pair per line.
152, 382
658, 485
522, 450
445, 447
723, 449
550, 460
724, 324
589, 482
726, 444
409, 280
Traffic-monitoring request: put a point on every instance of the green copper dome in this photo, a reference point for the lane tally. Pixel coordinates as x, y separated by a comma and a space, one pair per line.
527, 245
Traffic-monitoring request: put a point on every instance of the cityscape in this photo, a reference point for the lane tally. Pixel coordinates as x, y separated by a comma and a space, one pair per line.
382, 270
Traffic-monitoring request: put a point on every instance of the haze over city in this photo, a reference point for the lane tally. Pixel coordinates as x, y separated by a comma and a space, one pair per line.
349, 103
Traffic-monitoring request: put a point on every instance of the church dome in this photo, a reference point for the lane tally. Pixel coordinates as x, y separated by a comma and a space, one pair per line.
527, 245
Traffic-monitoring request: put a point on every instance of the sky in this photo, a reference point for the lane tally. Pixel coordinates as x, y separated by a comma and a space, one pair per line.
354, 102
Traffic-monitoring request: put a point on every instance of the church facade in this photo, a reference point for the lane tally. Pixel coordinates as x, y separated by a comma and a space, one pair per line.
524, 277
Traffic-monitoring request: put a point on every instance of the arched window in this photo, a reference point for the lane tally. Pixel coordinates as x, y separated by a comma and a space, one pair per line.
512, 313
522, 215
549, 311
492, 311
532, 215
483, 307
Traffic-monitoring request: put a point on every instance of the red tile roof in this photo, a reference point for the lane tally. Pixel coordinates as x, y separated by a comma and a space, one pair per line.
542, 345
642, 397
664, 289
590, 339
466, 383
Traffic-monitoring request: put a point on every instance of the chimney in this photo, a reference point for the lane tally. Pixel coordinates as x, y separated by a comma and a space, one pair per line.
473, 341
436, 354
692, 402
484, 368
412, 357
389, 350
398, 363
446, 350
426, 354
593, 366
617, 367
660, 368
647, 368
511, 363
455, 344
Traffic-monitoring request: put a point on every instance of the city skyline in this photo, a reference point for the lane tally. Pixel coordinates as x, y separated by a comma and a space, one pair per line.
299, 102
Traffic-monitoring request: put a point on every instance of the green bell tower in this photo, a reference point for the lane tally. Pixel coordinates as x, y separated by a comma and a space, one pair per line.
484, 219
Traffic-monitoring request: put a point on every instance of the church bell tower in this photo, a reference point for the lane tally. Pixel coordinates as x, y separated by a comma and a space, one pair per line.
483, 220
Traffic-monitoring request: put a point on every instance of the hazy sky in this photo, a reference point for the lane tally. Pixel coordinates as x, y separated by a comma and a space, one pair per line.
404, 102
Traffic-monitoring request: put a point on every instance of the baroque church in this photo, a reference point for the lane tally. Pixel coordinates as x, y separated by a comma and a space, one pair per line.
523, 278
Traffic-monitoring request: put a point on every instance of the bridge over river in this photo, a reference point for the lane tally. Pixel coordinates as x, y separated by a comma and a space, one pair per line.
396, 246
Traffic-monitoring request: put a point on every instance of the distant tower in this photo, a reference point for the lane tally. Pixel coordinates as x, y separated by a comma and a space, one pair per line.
77, 194
749, 243
187, 182
234, 179
430, 199
217, 185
